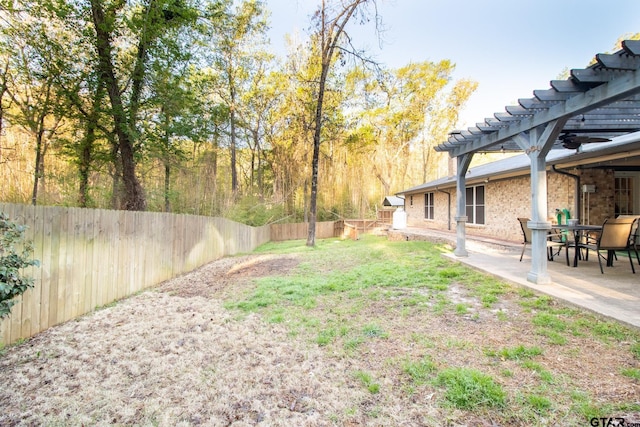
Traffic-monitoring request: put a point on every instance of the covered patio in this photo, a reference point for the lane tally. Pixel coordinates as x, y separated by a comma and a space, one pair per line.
593, 105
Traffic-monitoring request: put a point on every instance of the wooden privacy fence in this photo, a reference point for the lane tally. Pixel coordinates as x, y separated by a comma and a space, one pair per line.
300, 230
92, 257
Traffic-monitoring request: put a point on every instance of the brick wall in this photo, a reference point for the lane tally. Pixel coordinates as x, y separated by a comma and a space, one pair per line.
414, 206
508, 199
599, 205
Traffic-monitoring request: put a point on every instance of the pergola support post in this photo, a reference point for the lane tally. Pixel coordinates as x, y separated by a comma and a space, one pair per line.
537, 147
539, 225
461, 205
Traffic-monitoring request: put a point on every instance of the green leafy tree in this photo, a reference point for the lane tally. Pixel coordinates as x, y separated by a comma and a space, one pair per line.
148, 26
238, 32
28, 50
15, 256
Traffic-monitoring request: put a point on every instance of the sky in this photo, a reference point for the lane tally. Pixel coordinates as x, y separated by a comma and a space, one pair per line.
510, 47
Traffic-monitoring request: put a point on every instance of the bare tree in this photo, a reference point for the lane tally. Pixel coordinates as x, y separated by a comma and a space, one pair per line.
331, 20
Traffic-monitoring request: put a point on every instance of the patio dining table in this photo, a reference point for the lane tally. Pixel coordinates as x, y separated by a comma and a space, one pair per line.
579, 231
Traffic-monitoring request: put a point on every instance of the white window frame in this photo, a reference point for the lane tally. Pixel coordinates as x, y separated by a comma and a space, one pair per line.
633, 192
429, 205
474, 207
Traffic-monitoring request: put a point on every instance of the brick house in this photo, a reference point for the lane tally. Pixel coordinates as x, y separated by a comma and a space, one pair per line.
602, 185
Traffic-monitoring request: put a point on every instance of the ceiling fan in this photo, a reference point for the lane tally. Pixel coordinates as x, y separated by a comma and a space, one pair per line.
573, 141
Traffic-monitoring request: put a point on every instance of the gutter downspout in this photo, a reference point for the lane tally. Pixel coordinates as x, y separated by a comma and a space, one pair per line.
577, 195
448, 207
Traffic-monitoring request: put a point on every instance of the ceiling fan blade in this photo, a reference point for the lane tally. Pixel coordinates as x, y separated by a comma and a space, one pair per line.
594, 139
573, 141
571, 145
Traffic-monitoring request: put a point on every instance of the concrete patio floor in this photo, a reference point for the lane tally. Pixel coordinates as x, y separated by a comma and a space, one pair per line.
614, 294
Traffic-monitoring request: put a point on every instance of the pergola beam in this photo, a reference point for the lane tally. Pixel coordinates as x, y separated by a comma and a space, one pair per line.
626, 85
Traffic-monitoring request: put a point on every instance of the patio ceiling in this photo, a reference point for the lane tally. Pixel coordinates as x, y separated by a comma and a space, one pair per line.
598, 103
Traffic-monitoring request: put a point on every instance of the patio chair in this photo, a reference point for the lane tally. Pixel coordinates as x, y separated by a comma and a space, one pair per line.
634, 237
554, 241
616, 235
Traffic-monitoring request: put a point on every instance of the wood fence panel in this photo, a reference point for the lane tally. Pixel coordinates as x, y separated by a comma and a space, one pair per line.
75, 260
126, 253
88, 300
216, 236
125, 265
40, 288
64, 286
110, 279
5, 332
197, 245
147, 233
176, 252
43, 272
29, 299
162, 252
138, 266
18, 309
131, 245
67, 250
137, 236
166, 225
53, 262
300, 231
97, 264
73, 272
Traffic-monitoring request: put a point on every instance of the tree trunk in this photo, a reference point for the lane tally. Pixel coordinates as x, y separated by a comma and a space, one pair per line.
3, 90
167, 166
232, 144
37, 174
256, 163
214, 173
116, 187
134, 195
311, 238
86, 148
167, 176
330, 37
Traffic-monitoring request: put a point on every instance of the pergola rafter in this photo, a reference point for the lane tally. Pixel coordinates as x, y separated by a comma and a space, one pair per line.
602, 98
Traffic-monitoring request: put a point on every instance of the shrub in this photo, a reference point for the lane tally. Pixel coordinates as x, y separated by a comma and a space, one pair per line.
15, 255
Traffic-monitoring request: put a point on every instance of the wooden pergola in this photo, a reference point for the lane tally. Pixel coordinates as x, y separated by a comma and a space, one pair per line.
594, 104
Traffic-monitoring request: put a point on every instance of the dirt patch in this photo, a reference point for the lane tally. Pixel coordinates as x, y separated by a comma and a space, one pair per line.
213, 279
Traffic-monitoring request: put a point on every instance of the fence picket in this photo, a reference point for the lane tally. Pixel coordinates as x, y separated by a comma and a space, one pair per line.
55, 216
44, 271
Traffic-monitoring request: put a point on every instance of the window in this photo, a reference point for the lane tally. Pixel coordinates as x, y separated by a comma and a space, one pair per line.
428, 205
411, 200
475, 204
623, 194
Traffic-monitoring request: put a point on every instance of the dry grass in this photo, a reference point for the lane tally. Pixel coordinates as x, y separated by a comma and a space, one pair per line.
176, 356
